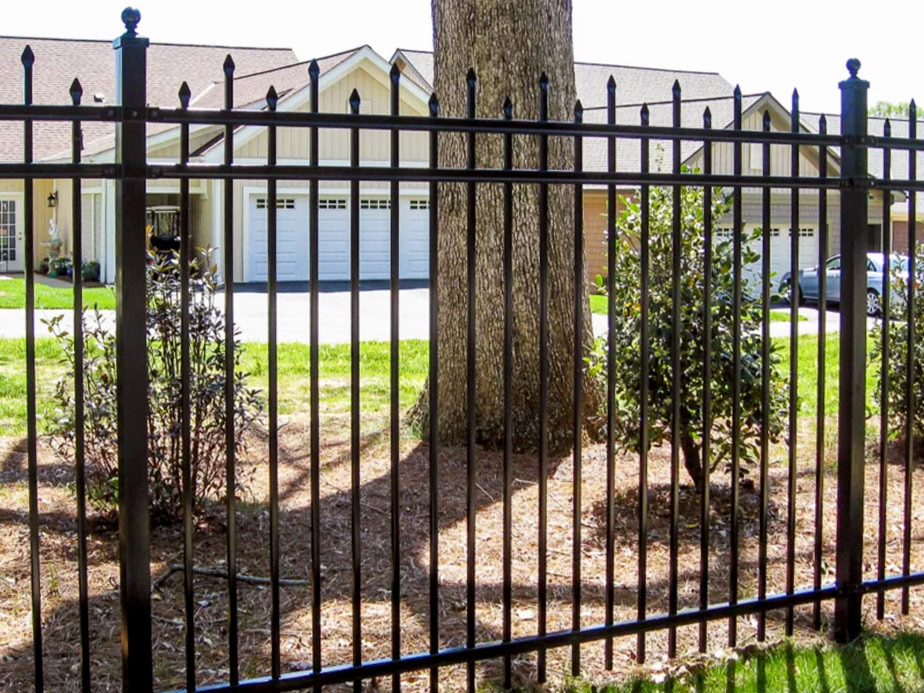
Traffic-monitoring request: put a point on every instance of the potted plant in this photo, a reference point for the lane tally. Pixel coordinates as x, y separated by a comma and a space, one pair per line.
90, 271
59, 267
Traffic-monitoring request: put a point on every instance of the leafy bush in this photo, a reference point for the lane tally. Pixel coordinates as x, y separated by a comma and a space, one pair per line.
207, 401
896, 397
627, 335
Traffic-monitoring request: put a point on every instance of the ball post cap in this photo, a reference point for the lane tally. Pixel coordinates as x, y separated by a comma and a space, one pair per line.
130, 18
853, 67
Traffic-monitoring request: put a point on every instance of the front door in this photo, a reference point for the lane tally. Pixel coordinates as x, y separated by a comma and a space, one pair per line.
11, 239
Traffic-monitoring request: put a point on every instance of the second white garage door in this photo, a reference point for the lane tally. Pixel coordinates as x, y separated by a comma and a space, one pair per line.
334, 238
780, 240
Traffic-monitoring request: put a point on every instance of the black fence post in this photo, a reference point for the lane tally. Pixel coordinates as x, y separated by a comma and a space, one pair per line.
131, 392
855, 185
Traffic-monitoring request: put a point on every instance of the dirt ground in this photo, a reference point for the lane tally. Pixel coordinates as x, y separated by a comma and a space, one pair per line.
59, 561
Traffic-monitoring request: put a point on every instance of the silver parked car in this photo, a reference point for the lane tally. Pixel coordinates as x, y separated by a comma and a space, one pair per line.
875, 264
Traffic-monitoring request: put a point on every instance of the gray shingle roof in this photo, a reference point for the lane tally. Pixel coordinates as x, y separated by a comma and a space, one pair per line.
59, 61
876, 126
900, 159
250, 89
660, 114
633, 84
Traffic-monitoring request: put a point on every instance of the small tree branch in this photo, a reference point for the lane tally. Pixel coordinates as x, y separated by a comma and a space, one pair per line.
220, 573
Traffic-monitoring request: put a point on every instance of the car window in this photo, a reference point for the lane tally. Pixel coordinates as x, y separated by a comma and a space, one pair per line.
834, 264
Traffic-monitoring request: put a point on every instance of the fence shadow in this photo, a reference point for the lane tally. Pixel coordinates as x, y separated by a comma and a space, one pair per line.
336, 552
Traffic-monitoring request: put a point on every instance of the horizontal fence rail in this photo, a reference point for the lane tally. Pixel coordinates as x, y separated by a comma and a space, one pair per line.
735, 430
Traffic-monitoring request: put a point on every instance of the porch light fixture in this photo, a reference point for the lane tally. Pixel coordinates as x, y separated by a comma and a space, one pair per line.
52, 200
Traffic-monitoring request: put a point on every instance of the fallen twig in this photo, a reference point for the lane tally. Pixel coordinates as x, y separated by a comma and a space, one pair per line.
219, 573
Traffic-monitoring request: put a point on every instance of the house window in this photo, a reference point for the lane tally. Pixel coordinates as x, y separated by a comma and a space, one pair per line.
756, 156
374, 203
7, 230
804, 233
724, 232
420, 204
286, 203
332, 203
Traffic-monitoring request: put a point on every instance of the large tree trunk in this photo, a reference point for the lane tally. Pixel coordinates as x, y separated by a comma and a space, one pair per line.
509, 43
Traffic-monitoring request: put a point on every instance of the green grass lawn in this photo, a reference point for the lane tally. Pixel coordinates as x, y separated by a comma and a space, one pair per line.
13, 382
13, 295
334, 376
294, 372
807, 388
872, 665
598, 306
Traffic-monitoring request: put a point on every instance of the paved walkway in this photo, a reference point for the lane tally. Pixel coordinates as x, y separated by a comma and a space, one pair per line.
250, 315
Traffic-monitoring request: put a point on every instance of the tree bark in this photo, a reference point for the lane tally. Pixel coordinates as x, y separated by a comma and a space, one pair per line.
509, 44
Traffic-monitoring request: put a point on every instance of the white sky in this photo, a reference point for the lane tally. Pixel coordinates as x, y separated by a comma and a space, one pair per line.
789, 44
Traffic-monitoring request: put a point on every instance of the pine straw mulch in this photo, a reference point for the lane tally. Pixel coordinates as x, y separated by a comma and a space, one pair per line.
59, 562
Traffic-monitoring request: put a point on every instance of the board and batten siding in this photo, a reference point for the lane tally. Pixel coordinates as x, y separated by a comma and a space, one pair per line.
334, 143
752, 154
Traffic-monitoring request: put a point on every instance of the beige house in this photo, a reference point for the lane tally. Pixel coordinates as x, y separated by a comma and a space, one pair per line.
58, 61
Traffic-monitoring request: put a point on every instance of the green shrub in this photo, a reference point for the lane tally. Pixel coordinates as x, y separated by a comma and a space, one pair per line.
896, 397
207, 400
627, 335
59, 267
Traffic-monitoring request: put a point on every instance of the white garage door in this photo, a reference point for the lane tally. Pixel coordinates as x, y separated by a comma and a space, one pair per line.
334, 238
780, 240
781, 245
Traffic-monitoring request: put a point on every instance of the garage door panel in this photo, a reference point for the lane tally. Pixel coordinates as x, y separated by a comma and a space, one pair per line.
291, 238
415, 238
374, 238
288, 269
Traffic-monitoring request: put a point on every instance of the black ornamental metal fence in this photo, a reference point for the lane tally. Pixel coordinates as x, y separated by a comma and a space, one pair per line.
131, 171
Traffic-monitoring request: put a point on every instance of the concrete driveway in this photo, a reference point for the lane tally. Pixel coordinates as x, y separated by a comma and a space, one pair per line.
251, 304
